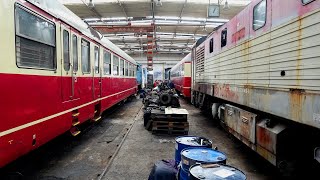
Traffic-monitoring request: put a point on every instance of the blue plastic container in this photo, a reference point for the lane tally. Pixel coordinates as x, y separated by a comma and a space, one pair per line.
183, 142
183, 174
192, 156
215, 172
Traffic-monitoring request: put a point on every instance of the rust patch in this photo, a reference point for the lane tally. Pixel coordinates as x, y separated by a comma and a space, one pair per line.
296, 101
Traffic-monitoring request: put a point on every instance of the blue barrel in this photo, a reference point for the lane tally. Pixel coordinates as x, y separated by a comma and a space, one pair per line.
183, 142
183, 174
191, 156
215, 172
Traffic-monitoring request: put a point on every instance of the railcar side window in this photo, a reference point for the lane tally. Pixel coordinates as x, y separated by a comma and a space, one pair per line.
115, 65
106, 62
211, 45
121, 67
260, 15
127, 64
35, 41
96, 60
75, 53
224, 37
85, 56
130, 69
133, 70
306, 1
66, 51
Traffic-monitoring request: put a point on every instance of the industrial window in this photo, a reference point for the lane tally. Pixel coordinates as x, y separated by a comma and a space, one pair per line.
127, 64
224, 34
75, 52
260, 15
106, 62
121, 67
115, 65
66, 51
85, 56
306, 1
96, 60
35, 41
211, 45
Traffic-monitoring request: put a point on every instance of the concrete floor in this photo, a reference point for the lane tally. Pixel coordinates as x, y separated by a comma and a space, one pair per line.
141, 149
93, 152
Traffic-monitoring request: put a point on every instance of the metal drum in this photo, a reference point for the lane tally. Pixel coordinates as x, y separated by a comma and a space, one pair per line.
183, 142
191, 156
215, 172
183, 174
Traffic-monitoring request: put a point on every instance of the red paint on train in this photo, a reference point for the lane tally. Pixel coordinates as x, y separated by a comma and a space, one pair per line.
37, 97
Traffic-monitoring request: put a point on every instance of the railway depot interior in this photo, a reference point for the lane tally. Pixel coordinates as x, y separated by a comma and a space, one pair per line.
160, 89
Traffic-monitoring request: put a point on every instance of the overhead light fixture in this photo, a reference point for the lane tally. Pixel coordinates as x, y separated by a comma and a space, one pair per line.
158, 3
226, 5
90, 4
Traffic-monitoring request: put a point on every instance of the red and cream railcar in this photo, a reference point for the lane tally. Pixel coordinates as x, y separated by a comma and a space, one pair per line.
55, 74
260, 73
180, 75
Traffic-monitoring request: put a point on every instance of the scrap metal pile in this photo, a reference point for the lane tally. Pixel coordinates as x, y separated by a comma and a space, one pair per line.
162, 112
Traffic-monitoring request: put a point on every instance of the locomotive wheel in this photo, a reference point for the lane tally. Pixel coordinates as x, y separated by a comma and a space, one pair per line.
165, 99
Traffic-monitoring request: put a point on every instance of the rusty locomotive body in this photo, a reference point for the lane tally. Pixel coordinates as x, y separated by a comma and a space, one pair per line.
258, 74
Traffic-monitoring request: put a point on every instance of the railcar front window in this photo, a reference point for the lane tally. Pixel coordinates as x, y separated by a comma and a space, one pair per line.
85, 56
115, 65
260, 15
66, 51
75, 53
107, 62
96, 60
35, 40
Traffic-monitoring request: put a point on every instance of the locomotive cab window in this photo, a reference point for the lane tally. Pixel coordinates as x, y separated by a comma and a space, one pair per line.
224, 37
306, 1
106, 62
260, 15
96, 60
75, 53
115, 65
66, 51
211, 45
85, 56
35, 40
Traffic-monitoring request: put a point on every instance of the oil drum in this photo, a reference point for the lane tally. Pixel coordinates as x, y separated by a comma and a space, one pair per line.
191, 156
183, 142
215, 172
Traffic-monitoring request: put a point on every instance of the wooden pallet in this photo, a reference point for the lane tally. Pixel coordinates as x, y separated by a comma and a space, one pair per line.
167, 127
158, 115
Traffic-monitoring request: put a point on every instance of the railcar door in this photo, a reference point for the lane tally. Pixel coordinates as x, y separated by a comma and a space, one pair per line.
66, 74
75, 47
97, 77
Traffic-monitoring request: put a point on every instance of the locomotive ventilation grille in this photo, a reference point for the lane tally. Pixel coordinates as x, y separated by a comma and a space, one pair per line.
200, 62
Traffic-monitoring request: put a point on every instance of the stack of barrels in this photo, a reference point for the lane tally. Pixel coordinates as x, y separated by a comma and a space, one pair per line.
197, 160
